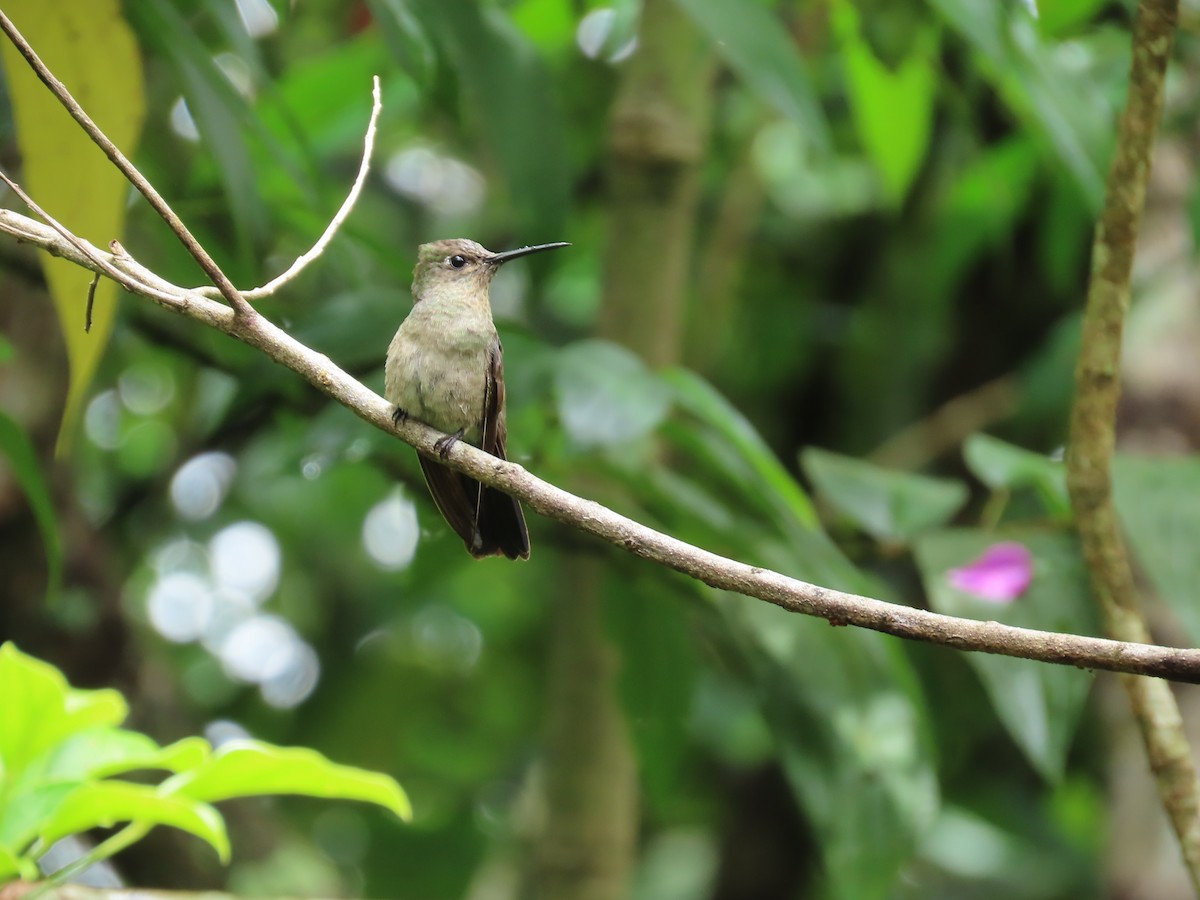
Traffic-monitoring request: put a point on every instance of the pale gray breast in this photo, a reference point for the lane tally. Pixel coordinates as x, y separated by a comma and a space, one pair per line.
437, 368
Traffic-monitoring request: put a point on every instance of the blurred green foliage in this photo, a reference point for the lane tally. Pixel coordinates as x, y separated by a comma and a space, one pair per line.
61, 748
895, 209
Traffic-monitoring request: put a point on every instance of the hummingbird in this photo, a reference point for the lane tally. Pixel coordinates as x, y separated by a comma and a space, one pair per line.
445, 367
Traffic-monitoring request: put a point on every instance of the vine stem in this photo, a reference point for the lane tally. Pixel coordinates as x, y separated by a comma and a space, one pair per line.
109, 847
1093, 421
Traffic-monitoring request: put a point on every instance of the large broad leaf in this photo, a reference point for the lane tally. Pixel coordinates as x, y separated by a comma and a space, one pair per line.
1003, 466
249, 768
1157, 500
848, 719
1039, 704
23, 463
104, 804
88, 46
605, 394
39, 709
26, 809
102, 752
757, 46
893, 110
888, 505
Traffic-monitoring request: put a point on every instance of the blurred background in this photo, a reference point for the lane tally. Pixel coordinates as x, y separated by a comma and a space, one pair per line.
819, 247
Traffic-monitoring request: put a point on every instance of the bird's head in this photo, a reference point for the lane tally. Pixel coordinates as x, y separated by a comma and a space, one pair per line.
460, 264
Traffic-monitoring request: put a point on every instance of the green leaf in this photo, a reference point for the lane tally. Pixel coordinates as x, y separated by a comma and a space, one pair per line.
755, 44
1157, 501
25, 810
106, 803
1038, 704
550, 24
1003, 466
888, 505
893, 111
63, 171
23, 463
102, 752
605, 395
220, 113
657, 678
980, 210
251, 769
848, 719
697, 397
1041, 88
405, 37
10, 866
1057, 17
39, 709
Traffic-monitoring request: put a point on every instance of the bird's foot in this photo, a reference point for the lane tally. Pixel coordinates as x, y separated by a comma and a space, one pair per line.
399, 415
443, 444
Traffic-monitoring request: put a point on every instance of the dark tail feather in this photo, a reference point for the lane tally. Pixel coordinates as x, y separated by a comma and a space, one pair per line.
501, 526
489, 521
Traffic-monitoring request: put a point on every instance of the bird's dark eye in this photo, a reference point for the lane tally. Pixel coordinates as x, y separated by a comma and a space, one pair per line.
458, 260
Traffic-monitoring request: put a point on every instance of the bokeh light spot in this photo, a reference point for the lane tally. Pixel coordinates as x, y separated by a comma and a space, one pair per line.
246, 558
201, 483
180, 606
259, 648
292, 684
390, 532
102, 421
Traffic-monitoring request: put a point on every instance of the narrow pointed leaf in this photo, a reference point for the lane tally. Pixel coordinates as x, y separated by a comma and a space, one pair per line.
107, 803
755, 44
249, 768
23, 463
893, 109
696, 396
63, 170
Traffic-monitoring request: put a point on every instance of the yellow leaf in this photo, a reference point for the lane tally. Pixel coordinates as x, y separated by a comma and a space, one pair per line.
88, 45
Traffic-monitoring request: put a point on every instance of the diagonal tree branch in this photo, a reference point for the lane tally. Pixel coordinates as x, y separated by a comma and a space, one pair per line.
1093, 421
797, 596
136, 178
242, 322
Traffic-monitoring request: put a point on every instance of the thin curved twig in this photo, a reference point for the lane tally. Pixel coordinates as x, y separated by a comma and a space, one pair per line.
339, 217
83, 247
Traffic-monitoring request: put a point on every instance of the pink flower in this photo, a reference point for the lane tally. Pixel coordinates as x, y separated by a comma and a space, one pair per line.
1001, 575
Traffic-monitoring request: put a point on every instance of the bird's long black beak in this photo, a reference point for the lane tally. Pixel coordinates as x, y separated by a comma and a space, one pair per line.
499, 258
